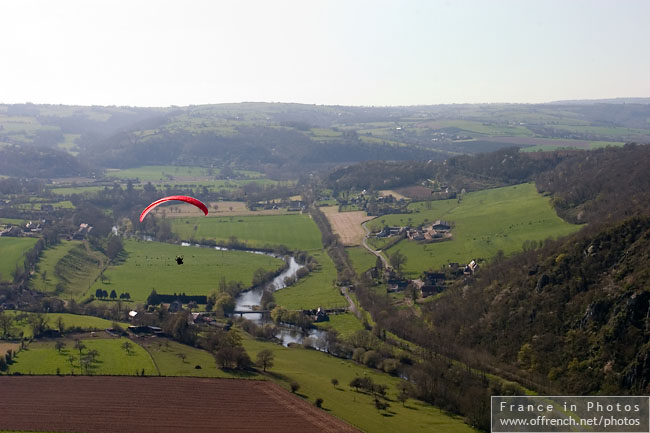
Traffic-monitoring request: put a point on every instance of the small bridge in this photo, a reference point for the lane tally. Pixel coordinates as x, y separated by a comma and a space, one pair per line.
241, 312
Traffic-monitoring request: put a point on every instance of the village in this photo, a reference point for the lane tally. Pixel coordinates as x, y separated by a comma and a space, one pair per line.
436, 232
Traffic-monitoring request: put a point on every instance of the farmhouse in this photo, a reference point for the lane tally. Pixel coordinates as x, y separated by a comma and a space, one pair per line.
430, 233
428, 290
396, 284
440, 225
390, 231
140, 330
471, 268
82, 232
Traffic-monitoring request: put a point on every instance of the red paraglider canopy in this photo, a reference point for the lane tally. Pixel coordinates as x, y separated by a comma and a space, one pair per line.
185, 198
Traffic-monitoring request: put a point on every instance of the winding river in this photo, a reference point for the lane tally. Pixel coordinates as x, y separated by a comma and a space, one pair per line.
250, 301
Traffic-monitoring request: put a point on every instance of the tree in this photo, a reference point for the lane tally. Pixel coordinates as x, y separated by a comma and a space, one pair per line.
412, 292
381, 405
265, 359
6, 324
295, 386
127, 347
99, 293
397, 260
182, 356
356, 383
114, 247
59, 345
113, 294
318, 402
153, 298
335, 382
80, 346
60, 325
225, 356
38, 323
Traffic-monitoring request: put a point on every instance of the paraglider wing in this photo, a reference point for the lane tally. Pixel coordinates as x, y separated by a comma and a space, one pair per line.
185, 198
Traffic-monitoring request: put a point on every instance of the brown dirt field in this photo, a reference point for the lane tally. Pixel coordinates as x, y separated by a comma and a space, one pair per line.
178, 210
4, 347
104, 404
415, 192
347, 224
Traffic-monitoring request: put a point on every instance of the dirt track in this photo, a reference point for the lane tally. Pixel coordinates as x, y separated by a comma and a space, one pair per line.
98, 404
347, 224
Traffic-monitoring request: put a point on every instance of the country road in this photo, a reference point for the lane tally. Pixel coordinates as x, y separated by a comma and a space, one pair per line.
378, 253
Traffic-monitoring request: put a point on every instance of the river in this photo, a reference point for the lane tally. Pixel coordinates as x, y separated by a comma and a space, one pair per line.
250, 301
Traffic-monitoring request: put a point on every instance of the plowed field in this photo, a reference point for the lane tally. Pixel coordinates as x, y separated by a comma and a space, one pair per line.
347, 224
98, 404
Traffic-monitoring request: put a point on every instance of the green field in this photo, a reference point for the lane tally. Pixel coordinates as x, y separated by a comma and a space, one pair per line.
87, 323
346, 324
152, 265
484, 222
160, 172
361, 258
12, 251
165, 354
14, 221
314, 370
70, 267
316, 290
42, 358
46, 279
65, 204
297, 232
77, 190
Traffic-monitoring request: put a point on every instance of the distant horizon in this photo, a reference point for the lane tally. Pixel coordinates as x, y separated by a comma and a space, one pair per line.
613, 100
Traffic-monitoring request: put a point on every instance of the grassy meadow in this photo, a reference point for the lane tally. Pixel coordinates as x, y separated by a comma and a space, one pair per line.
152, 265
296, 231
318, 289
175, 359
483, 223
150, 173
87, 323
361, 258
314, 370
346, 324
42, 358
68, 269
46, 278
12, 251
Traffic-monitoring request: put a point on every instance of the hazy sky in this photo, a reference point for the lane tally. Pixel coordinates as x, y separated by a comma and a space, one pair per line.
159, 53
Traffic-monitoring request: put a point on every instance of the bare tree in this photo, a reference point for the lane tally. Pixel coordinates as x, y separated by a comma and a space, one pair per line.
265, 359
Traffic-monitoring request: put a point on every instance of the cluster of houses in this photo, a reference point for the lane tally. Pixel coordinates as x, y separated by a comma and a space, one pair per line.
430, 283
33, 228
438, 231
376, 205
290, 205
29, 229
